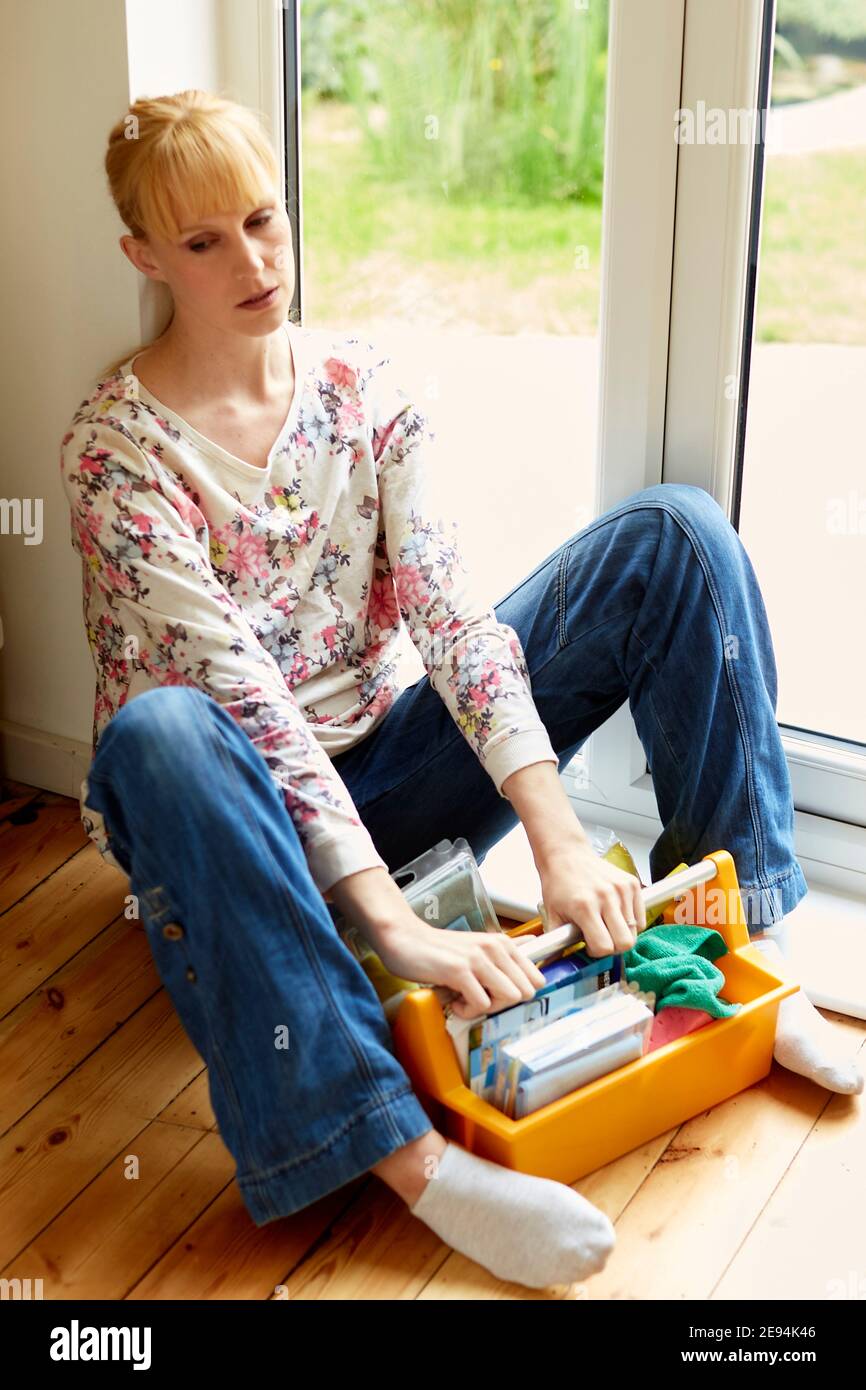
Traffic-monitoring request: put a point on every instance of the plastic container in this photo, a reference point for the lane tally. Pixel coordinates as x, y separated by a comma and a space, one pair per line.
621, 1110
444, 887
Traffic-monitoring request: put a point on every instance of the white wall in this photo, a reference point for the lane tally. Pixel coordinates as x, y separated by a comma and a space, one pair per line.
72, 301
173, 44
68, 304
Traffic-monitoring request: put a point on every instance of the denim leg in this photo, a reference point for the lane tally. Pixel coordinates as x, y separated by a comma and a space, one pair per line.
700, 671
304, 1081
655, 602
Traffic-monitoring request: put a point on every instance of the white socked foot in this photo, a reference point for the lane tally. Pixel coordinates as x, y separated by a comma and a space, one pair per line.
805, 1042
523, 1229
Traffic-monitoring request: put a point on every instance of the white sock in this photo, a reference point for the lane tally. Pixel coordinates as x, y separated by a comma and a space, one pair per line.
525, 1230
805, 1042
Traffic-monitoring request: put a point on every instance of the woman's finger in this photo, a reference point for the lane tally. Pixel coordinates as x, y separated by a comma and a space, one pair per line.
503, 986
631, 910
523, 966
474, 1000
621, 934
638, 908
493, 982
593, 930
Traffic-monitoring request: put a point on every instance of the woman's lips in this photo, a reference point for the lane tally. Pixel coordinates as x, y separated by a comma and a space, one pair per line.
261, 302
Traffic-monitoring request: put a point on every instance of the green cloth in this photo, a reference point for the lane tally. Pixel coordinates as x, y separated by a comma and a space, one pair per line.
676, 963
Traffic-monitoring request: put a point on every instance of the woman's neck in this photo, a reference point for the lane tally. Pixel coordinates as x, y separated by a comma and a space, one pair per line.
251, 370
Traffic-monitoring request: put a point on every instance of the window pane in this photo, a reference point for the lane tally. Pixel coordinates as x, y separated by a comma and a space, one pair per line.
452, 157
803, 510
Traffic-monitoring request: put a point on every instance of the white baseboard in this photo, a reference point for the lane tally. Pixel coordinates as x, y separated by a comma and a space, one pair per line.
47, 761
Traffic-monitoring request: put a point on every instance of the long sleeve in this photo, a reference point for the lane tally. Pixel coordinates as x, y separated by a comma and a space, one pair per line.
474, 662
135, 531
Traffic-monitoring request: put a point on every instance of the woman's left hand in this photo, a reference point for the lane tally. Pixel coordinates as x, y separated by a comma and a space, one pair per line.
578, 886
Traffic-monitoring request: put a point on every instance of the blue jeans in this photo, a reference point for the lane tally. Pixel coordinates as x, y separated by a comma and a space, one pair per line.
655, 602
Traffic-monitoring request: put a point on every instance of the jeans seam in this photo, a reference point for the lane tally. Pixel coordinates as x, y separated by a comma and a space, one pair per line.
770, 882
167, 907
561, 580
164, 907
735, 693
651, 702
253, 1176
662, 729
166, 904
565, 547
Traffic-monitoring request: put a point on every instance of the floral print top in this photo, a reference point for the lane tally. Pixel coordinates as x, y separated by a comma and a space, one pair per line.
280, 591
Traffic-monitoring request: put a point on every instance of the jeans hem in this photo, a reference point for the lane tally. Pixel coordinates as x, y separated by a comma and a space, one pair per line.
765, 904
365, 1142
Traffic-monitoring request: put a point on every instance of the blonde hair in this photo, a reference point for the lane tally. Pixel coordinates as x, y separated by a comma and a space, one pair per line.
186, 155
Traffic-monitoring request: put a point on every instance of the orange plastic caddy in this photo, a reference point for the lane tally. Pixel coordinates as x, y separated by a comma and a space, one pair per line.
580, 1132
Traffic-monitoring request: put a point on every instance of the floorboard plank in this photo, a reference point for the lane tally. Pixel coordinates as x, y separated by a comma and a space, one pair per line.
225, 1255
376, 1250
121, 1224
689, 1218
30, 851
808, 1240
55, 920
65, 1141
192, 1107
72, 1014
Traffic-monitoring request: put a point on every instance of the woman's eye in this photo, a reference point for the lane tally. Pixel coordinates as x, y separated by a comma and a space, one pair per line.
203, 245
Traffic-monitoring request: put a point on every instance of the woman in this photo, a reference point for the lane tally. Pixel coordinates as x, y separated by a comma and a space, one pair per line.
248, 500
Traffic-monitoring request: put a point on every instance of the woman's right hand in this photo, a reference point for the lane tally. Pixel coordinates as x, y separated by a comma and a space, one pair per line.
486, 970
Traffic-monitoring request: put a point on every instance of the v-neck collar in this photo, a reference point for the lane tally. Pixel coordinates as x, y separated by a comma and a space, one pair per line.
208, 446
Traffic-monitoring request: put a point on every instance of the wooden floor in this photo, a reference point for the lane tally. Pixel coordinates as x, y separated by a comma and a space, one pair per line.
114, 1183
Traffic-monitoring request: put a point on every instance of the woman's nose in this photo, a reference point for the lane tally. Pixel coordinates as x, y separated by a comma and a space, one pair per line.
249, 259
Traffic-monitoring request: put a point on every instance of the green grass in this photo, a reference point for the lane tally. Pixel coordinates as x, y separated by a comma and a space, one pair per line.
375, 247
812, 271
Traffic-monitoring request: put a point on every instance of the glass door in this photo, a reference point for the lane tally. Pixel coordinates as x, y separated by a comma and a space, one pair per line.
800, 498
482, 193
767, 365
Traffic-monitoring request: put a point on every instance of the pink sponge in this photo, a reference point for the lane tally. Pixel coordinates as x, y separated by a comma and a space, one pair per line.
675, 1022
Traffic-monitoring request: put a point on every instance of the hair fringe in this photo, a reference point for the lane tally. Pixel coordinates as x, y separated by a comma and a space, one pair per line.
187, 154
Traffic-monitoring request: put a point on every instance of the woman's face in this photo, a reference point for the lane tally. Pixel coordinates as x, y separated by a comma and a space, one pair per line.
215, 264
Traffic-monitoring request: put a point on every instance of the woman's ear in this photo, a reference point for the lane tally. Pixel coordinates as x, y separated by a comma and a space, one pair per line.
138, 251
